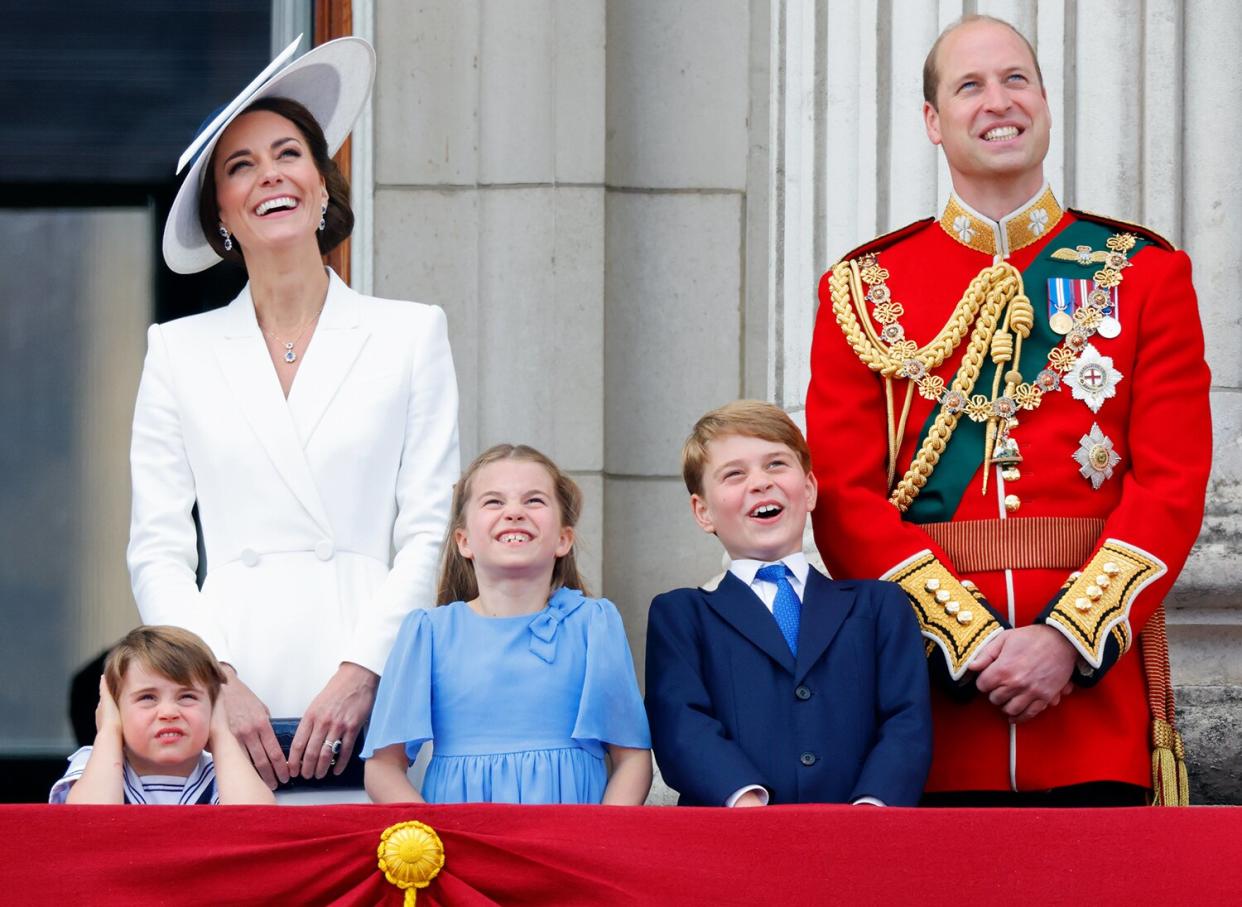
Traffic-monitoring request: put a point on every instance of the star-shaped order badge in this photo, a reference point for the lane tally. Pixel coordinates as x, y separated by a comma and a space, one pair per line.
1095, 457
1093, 378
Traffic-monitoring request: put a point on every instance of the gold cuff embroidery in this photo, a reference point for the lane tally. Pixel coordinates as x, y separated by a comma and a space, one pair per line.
1098, 600
951, 614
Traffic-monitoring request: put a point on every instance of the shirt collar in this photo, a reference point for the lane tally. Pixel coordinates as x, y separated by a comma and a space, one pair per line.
1020, 228
745, 568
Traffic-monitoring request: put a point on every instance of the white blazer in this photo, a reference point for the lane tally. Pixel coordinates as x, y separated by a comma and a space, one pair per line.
322, 515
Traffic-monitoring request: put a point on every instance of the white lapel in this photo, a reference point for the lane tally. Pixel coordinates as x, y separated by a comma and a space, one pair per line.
249, 373
331, 353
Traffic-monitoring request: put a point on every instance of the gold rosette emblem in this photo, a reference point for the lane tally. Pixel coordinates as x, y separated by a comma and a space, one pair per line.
410, 856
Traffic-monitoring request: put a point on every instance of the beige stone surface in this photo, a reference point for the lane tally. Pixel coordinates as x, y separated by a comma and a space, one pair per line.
651, 545
540, 328
426, 94
1208, 722
426, 250
672, 322
541, 93
589, 547
517, 83
677, 93
580, 100
1213, 572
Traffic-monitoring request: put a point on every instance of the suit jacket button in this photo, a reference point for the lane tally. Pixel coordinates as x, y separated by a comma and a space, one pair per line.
808, 759
250, 557
803, 692
324, 550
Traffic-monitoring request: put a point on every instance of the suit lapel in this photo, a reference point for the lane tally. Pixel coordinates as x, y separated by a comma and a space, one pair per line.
251, 378
742, 609
332, 352
824, 609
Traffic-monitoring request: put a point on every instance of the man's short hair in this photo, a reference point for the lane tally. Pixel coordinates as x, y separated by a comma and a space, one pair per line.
171, 652
751, 418
931, 75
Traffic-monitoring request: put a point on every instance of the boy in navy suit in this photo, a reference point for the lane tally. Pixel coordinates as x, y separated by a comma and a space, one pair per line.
773, 683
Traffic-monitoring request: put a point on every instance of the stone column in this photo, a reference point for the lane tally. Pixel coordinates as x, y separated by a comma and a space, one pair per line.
675, 314
489, 201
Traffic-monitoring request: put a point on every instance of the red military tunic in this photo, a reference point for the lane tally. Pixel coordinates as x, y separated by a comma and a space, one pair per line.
1153, 413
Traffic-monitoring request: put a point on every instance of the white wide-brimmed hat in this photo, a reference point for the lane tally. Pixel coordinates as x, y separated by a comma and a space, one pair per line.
332, 81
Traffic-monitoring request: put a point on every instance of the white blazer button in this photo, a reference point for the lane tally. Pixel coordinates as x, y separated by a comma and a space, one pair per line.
250, 557
324, 550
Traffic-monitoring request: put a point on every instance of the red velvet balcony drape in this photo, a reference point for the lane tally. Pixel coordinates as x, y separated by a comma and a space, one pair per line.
515, 855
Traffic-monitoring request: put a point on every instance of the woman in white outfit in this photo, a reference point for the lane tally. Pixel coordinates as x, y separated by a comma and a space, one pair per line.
316, 428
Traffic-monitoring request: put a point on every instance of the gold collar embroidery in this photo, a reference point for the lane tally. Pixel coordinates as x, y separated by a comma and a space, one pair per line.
1015, 231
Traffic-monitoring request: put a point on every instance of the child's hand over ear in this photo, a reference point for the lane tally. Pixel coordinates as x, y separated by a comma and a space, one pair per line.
107, 715
219, 725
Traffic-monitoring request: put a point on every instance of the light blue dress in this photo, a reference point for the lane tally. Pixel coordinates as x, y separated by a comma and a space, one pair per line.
519, 707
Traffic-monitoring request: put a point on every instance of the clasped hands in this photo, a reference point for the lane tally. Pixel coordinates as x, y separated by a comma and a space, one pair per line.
337, 713
1025, 670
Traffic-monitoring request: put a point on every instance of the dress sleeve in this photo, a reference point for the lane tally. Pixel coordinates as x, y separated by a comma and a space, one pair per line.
402, 712
611, 709
163, 544
430, 465
77, 765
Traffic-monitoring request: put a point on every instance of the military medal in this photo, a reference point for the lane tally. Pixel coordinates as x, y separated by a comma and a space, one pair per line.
1095, 457
1069, 296
1093, 378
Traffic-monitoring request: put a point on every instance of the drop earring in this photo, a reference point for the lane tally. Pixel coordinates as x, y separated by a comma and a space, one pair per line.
228, 240
323, 216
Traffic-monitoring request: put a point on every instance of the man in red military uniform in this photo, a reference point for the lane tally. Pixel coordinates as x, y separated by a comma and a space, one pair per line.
1008, 416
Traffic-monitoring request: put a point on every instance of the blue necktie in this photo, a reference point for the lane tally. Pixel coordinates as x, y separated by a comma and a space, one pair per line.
786, 608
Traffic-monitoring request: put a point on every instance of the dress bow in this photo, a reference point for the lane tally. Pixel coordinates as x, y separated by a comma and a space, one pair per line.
563, 603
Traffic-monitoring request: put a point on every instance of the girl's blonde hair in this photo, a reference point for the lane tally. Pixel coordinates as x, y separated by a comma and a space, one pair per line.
457, 579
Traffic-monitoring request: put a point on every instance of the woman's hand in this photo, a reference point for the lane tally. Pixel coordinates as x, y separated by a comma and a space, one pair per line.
251, 724
336, 714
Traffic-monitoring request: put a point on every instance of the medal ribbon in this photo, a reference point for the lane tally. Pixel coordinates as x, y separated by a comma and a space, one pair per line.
939, 498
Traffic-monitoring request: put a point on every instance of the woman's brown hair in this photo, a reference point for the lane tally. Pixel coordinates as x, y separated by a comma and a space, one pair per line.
457, 579
339, 218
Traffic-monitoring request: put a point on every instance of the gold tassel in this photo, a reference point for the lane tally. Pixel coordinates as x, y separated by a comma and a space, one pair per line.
1183, 779
1170, 785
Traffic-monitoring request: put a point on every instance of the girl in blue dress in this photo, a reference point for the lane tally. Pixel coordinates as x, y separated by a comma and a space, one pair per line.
523, 681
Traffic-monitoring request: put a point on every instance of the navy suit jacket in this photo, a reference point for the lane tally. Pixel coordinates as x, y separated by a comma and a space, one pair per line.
730, 706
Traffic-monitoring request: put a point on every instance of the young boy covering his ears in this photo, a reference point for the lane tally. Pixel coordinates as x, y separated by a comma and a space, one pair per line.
160, 739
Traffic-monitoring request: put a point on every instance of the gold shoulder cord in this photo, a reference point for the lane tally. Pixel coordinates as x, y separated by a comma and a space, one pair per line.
985, 299
995, 292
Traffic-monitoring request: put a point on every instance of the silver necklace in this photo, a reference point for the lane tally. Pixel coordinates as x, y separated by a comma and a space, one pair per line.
289, 355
